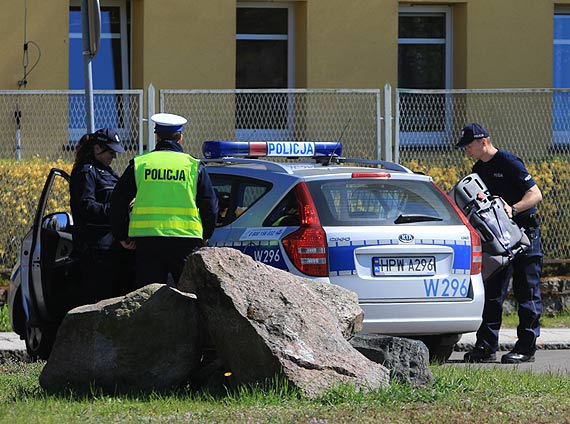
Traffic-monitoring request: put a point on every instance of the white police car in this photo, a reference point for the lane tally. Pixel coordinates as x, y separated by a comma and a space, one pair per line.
389, 235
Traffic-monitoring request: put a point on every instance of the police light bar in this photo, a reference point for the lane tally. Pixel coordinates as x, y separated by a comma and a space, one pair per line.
220, 149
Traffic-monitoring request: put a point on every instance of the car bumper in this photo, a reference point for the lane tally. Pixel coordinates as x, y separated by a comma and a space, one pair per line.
416, 318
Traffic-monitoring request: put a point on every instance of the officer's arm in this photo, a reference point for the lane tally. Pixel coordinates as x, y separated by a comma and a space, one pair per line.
92, 210
531, 198
124, 193
207, 203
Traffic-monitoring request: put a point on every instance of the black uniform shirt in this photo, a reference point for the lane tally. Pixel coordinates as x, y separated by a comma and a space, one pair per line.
505, 175
91, 187
126, 190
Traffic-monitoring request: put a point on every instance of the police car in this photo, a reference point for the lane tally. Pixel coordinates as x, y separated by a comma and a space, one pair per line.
373, 227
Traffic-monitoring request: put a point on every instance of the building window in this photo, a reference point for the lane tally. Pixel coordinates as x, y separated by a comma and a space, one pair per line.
110, 67
424, 62
264, 60
561, 77
561, 49
424, 47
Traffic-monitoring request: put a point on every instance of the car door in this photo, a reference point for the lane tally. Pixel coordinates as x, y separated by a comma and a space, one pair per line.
47, 266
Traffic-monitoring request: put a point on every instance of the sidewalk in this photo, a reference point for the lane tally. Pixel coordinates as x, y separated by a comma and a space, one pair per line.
551, 338
11, 347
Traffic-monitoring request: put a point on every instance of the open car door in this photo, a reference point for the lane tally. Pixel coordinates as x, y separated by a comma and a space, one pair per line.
48, 280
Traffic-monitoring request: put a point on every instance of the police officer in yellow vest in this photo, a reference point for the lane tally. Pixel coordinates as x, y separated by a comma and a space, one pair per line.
164, 205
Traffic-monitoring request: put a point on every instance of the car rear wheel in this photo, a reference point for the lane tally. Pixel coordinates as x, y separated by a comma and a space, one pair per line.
39, 340
440, 346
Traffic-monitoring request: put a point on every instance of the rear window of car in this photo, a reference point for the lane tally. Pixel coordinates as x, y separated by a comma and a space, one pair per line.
362, 202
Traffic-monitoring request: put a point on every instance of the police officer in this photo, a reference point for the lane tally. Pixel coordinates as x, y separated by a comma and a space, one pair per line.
172, 205
506, 176
101, 259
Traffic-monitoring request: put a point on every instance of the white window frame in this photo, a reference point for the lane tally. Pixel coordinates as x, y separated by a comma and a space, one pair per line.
76, 133
290, 36
123, 36
434, 10
273, 134
413, 139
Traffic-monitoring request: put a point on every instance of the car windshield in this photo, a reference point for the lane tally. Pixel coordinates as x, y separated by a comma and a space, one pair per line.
362, 202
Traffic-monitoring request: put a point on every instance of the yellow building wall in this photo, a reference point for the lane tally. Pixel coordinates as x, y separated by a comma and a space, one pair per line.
352, 44
509, 44
47, 26
338, 43
186, 44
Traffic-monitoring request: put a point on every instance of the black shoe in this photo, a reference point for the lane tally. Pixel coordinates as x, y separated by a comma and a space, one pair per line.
516, 358
479, 354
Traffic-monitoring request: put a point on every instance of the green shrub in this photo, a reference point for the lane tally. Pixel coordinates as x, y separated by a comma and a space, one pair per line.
552, 178
22, 183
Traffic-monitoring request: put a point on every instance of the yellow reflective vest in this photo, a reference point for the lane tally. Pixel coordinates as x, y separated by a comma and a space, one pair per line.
165, 204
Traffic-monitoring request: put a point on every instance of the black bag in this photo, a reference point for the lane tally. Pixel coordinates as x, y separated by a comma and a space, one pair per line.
501, 237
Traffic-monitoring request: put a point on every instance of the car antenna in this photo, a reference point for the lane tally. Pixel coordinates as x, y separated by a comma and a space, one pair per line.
338, 142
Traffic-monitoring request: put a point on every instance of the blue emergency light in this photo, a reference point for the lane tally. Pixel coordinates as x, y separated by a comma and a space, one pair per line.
220, 149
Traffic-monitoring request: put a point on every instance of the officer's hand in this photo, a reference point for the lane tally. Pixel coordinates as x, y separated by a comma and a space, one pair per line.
128, 244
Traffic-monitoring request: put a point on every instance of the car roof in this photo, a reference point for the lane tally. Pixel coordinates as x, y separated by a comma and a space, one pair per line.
314, 169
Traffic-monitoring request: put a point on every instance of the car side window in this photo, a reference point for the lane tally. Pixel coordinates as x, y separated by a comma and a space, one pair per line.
236, 195
286, 213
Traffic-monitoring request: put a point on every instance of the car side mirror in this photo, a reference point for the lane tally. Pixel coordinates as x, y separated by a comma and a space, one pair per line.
59, 221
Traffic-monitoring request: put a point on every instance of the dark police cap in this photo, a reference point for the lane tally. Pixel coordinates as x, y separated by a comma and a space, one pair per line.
472, 132
109, 138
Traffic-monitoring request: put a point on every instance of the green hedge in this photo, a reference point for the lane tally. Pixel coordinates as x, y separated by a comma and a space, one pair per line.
21, 184
553, 179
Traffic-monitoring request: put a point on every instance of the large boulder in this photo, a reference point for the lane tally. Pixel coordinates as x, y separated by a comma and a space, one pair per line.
265, 322
146, 340
407, 359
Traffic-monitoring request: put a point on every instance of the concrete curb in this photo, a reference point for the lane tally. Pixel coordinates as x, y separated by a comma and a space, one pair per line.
13, 348
466, 347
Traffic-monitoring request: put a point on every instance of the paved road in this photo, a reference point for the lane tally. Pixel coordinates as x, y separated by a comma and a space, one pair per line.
546, 361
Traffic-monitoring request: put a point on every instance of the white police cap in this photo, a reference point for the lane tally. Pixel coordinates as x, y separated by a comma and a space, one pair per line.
167, 122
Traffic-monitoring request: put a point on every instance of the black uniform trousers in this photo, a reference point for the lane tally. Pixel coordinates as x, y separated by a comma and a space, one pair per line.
525, 270
105, 274
157, 257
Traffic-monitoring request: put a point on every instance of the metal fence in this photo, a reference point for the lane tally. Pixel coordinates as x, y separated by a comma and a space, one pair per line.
534, 124
47, 124
353, 116
43, 127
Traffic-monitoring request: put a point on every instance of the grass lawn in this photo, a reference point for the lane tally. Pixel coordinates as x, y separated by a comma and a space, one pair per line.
459, 395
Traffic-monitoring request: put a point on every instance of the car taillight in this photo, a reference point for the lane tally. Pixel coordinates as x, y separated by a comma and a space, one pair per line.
307, 246
476, 250
371, 175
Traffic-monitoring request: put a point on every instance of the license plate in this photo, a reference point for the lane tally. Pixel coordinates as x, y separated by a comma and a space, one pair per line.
403, 265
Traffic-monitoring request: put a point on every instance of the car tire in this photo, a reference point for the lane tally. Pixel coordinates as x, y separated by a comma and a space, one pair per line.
440, 346
39, 341
18, 315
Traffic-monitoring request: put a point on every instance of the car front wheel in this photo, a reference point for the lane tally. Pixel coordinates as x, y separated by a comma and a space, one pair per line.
39, 341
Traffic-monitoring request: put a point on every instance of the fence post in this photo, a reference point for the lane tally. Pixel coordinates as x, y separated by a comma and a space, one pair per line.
150, 99
378, 126
397, 128
388, 122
